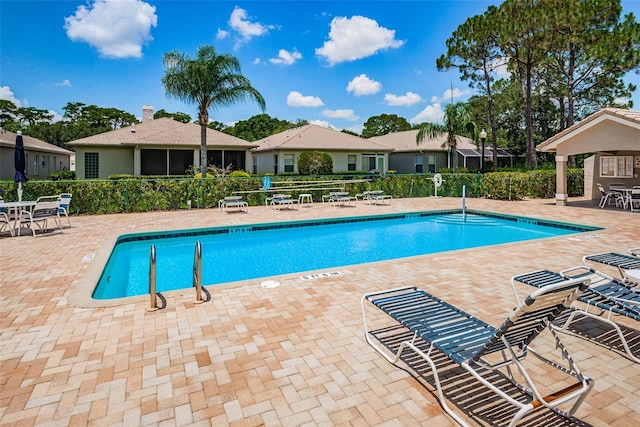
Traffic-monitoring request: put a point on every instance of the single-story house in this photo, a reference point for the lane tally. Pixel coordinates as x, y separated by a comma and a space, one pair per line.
42, 158
432, 154
613, 135
157, 147
279, 153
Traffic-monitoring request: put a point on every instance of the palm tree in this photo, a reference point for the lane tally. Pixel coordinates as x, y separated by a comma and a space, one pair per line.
210, 81
457, 120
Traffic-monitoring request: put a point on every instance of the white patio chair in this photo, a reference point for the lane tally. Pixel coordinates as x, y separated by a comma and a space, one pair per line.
634, 198
46, 208
607, 196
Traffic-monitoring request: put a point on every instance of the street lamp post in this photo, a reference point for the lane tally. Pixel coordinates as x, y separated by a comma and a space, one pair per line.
483, 138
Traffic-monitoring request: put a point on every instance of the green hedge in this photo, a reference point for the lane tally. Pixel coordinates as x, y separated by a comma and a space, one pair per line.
152, 194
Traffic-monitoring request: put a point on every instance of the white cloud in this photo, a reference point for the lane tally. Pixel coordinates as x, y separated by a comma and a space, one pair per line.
431, 114
7, 95
356, 38
322, 123
64, 83
256, 61
247, 29
499, 66
363, 85
117, 28
434, 113
296, 99
405, 100
356, 128
221, 34
286, 58
449, 95
346, 114
55, 116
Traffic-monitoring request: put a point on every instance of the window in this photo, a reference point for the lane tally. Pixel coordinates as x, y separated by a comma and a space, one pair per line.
372, 162
432, 163
153, 162
179, 161
419, 163
254, 159
616, 166
368, 162
289, 160
275, 164
36, 165
351, 162
90, 165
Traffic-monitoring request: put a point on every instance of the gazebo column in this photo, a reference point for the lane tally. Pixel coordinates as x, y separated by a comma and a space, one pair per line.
562, 195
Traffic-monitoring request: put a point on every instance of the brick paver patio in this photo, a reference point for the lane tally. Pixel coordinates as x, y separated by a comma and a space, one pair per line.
291, 355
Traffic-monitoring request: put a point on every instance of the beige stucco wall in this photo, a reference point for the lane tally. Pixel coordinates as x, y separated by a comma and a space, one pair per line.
47, 163
265, 160
111, 161
599, 137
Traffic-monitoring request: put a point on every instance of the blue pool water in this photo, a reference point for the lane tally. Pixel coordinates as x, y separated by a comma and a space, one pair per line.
261, 250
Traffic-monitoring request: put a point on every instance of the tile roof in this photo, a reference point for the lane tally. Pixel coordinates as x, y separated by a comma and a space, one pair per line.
406, 141
8, 139
314, 137
163, 131
631, 116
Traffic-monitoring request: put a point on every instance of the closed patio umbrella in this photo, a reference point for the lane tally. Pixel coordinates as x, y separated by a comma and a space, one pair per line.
20, 163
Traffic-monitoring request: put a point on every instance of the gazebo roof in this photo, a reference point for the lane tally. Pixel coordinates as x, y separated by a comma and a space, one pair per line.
610, 129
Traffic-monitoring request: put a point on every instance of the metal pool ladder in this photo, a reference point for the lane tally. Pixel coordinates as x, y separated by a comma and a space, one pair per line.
197, 272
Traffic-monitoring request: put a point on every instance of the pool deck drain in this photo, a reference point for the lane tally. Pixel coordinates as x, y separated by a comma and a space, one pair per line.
270, 284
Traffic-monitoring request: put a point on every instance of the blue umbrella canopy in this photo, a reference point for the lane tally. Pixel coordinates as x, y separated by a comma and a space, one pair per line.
19, 161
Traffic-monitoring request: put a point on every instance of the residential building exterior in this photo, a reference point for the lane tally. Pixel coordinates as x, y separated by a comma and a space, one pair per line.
279, 153
42, 158
157, 147
428, 157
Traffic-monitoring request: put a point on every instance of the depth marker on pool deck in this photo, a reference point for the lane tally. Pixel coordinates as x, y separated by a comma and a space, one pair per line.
321, 275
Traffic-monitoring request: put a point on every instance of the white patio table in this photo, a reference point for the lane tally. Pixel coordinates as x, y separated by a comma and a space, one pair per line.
15, 212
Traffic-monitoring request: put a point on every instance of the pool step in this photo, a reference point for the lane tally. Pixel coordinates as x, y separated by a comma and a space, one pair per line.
467, 219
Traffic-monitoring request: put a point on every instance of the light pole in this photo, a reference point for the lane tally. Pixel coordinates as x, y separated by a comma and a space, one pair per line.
483, 138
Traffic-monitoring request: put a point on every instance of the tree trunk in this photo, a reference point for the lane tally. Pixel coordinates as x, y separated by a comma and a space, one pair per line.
203, 118
203, 151
492, 123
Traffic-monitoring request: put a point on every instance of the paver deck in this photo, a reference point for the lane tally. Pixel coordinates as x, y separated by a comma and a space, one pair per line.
291, 355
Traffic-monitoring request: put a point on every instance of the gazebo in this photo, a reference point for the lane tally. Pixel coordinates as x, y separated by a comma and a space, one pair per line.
613, 135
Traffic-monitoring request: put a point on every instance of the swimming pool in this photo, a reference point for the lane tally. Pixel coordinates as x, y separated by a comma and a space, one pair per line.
261, 250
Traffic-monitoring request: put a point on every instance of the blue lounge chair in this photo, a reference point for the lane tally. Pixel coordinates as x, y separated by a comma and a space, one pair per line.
620, 261
471, 343
65, 201
606, 297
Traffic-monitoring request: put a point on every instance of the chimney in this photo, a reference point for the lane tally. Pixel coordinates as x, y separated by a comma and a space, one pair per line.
147, 113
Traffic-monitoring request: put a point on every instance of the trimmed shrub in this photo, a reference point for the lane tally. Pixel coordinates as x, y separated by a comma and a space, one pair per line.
315, 163
59, 175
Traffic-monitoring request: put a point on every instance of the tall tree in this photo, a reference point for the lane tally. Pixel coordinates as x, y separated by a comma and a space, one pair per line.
210, 81
260, 126
32, 116
384, 124
522, 37
590, 51
8, 115
474, 51
457, 120
180, 117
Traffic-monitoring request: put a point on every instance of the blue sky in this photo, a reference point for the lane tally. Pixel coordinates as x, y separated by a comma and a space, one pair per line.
335, 63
